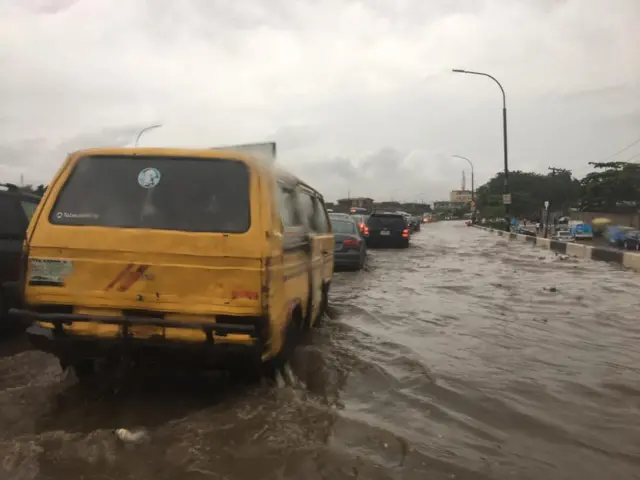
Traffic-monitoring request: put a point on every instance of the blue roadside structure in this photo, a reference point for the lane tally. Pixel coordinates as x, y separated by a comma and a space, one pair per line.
626, 258
580, 230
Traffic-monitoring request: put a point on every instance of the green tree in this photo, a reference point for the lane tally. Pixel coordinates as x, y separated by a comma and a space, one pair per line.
529, 191
613, 187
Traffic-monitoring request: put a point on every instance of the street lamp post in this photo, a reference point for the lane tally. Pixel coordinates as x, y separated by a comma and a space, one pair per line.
145, 129
546, 220
507, 195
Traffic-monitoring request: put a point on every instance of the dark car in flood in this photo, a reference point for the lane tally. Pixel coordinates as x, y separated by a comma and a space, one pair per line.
350, 250
630, 240
416, 223
16, 210
387, 230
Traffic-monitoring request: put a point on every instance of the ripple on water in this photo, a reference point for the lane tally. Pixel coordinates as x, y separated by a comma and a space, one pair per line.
451, 359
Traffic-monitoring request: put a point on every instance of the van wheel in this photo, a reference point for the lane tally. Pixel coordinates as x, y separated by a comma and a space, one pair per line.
246, 370
324, 305
83, 369
291, 340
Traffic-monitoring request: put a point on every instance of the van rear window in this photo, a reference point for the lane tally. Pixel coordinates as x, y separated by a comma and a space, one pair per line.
164, 193
386, 221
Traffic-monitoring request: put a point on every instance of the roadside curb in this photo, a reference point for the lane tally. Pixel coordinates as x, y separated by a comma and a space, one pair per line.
627, 259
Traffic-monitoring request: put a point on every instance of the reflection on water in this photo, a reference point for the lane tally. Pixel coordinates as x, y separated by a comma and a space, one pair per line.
452, 359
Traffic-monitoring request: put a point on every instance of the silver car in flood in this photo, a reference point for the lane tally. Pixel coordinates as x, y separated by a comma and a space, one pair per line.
350, 248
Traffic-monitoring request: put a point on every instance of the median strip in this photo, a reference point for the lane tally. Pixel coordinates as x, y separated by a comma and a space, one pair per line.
627, 259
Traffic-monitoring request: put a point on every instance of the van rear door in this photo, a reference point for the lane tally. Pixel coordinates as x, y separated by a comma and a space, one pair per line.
150, 232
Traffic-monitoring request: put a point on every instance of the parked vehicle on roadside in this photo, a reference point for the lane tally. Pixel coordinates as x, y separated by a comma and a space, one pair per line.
196, 258
581, 231
563, 236
16, 209
617, 234
350, 247
387, 230
631, 240
525, 231
416, 223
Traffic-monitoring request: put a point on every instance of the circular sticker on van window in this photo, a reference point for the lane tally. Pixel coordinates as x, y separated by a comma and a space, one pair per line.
149, 177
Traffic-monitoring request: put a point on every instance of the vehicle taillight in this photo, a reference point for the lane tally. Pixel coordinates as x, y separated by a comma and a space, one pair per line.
350, 242
24, 271
405, 232
366, 230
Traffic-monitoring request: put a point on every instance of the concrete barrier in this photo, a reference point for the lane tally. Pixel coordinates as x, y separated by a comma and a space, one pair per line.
627, 259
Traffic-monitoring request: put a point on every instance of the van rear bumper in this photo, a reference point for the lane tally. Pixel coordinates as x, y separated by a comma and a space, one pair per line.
70, 348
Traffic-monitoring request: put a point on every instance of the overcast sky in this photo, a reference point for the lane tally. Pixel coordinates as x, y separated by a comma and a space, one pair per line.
359, 95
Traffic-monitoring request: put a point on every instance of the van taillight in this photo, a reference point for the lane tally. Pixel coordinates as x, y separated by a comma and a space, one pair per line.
24, 270
405, 232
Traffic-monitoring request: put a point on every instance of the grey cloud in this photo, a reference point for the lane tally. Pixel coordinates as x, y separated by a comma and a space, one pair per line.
339, 85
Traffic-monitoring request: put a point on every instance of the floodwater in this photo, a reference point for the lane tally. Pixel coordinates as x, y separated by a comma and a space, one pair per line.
464, 357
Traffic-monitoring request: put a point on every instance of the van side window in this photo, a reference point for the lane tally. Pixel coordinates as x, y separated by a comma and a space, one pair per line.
320, 217
289, 214
307, 210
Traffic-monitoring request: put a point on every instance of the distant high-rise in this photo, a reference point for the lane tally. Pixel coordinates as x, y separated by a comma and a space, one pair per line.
464, 182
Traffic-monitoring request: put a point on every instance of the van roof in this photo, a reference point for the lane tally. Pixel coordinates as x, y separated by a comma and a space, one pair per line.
250, 160
168, 152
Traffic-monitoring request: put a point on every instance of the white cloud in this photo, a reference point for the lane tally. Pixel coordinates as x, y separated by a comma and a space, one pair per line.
348, 89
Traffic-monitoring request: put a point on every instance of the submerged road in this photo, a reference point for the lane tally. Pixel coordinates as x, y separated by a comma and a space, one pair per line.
464, 357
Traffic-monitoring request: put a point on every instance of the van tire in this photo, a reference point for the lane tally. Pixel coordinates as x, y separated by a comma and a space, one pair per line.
247, 370
291, 340
309, 316
84, 370
324, 305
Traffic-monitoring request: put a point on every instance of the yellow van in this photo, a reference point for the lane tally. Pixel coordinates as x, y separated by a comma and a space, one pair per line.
207, 257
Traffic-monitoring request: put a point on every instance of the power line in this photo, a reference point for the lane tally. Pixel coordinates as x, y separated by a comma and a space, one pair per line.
619, 152
631, 158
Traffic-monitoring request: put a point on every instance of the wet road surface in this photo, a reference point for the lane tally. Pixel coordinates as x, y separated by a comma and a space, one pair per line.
452, 359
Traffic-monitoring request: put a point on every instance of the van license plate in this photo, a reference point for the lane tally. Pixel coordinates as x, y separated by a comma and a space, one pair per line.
385, 232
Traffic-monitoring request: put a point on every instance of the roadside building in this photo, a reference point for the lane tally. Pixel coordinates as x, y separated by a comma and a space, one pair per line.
460, 196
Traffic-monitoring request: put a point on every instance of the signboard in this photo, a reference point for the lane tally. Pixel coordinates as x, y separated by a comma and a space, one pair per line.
264, 151
506, 199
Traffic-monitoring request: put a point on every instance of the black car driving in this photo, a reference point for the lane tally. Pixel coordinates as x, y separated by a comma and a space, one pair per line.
387, 229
